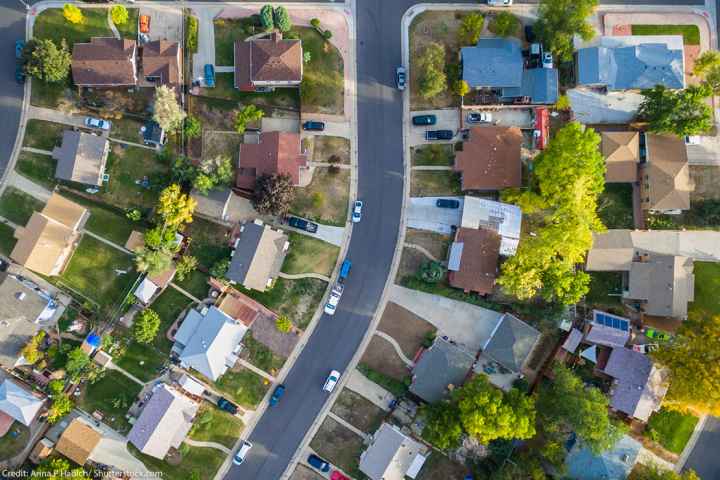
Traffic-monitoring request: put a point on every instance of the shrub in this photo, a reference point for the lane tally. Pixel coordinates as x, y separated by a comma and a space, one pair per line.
282, 19
119, 14
504, 24
563, 103
283, 324
191, 35
193, 128
266, 17
315, 22
471, 28
327, 34
307, 56
431, 272
145, 326
318, 200
72, 13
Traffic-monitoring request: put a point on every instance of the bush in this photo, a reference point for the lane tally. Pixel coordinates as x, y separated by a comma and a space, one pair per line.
283, 324
191, 35
315, 22
266, 17
282, 19
563, 103
471, 28
318, 200
119, 14
273, 194
504, 24
73, 14
193, 128
145, 326
327, 34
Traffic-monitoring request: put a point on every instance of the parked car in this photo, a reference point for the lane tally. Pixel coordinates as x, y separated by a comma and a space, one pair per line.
19, 47
331, 381
277, 395
314, 126
439, 135
97, 123
345, 269
692, 139
302, 224
357, 211
530, 34
209, 75
447, 203
19, 74
227, 405
422, 120
645, 348
335, 475
482, 117
242, 452
319, 463
547, 60
144, 23
400, 78
657, 334
500, 3
334, 298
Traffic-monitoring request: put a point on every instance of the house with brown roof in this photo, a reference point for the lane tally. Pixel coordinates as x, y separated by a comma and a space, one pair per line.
46, 243
274, 153
81, 158
78, 441
268, 62
665, 183
473, 262
161, 63
622, 155
258, 253
105, 62
490, 158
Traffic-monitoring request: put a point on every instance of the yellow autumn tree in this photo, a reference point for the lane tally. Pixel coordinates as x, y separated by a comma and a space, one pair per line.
73, 14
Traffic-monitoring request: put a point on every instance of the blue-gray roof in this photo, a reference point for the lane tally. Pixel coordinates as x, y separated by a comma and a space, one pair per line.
493, 63
511, 342
442, 365
245, 252
613, 464
540, 84
631, 67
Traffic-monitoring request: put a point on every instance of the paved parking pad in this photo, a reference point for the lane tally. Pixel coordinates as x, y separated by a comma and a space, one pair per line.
422, 214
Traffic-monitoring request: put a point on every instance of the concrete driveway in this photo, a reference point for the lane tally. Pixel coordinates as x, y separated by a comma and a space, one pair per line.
326, 233
206, 39
332, 128
165, 22
504, 117
289, 125
422, 213
447, 119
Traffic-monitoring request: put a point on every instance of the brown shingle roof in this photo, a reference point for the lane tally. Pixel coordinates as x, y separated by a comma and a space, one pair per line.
242, 308
490, 158
78, 441
104, 62
277, 152
479, 254
162, 59
665, 179
268, 61
622, 154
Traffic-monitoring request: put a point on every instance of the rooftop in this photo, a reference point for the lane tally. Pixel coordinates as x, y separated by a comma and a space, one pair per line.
492, 63
473, 260
511, 342
268, 61
78, 441
503, 218
275, 153
665, 283
440, 368
258, 254
392, 455
622, 154
104, 62
490, 158
161, 60
81, 158
665, 182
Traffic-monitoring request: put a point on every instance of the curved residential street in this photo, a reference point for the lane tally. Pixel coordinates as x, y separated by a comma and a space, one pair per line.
12, 26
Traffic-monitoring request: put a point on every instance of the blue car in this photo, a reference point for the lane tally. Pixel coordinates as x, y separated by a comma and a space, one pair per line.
345, 269
209, 75
19, 47
277, 395
319, 463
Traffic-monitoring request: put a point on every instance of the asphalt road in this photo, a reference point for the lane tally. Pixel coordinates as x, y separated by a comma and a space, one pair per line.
12, 27
704, 458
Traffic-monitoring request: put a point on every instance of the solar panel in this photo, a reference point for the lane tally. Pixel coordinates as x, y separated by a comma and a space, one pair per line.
611, 321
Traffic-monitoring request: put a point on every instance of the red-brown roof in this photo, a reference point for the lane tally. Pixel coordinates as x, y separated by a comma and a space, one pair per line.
242, 308
277, 153
478, 260
490, 158
268, 60
161, 59
104, 62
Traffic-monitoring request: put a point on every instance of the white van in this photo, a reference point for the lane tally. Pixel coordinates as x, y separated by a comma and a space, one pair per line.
239, 457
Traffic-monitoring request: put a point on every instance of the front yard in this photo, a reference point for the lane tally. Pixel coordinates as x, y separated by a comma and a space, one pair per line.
441, 155
195, 463
7, 239
671, 429
690, 33
244, 387
329, 149
409, 330
323, 84
707, 286
287, 99
112, 395
325, 199
51, 23
434, 183
227, 31
42, 134
298, 299
259, 355
310, 255
215, 425
339, 445
18, 206
358, 411
38, 168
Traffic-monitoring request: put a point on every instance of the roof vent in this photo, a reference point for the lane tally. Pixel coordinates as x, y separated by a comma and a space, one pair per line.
20, 296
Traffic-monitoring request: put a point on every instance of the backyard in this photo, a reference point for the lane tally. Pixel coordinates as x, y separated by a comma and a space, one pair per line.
168, 306
707, 286
605, 289
430, 184
195, 283
325, 199
142, 361
440, 467
209, 242
105, 220
196, 463
18, 206
615, 206
671, 429
112, 395
310, 255
136, 176
214, 425
339, 445
322, 89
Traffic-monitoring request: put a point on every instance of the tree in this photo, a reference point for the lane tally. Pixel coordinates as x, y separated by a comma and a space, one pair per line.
59, 469
281, 18
119, 14
266, 17
249, 114
175, 207
693, 360
158, 238
73, 14
431, 272
504, 24
470, 28
315, 23
193, 127
563, 103
153, 262
431, 66
442, 425
213, 172
220, 268
307, 56
31, 351
273, 194
134, 214
77, 362
185, 265
283, 324
145, 326
681, 113
191, 34
706, 63
566, 405
560, 20
168, 113
61, 406
56, 387
461, 88
327, 34
47, 61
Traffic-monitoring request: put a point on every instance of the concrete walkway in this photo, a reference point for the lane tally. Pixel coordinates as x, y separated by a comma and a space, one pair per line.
360, 384
185, 292
224, 69
216, 446
288, 125
132, 144
422, 250
112, 366
31, 188
36, 150
255, 369
296, 276
433, 168
348, 425
396, 346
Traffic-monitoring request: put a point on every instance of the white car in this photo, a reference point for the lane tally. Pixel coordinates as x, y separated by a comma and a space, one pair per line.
482, 117
242, 452
331, 381
97, 123
357, 211
334, 299
500, 3
547, 60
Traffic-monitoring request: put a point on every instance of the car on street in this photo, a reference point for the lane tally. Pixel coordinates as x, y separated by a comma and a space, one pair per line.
345, 269
144, 23
277, 395
422, 120
302, 224
313, 126
331, 381
335, 475
657, 334
334, 298
19, 74
227, 405
97, 123
209, 75
547, 60
19, 47
447, 203
500, 3
242, 452
439, 135
319, 463
357, 211
400, 78
482, 117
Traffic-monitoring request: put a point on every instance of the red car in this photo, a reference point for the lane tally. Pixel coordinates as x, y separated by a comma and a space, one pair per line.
335, 475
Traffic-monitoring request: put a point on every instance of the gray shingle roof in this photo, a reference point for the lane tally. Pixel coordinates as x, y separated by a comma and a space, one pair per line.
441, 365
81, 158
540, 84
639, 387
258, 255
511, 342
390, 455
666, 283
493, 62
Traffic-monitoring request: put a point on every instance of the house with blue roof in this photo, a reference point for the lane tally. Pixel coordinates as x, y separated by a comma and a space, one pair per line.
615, 464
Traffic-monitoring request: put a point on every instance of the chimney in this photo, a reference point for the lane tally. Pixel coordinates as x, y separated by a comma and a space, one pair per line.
276, 37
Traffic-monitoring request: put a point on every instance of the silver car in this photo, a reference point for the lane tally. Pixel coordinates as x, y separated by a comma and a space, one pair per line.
97, 123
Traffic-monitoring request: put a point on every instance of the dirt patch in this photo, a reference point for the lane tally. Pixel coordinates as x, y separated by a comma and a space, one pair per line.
325, 199
405, 327
434, 183
217, 143
409, 263
214, 114
326, 147
381, 356
440, 467
305, 473
435, 243
358, 411
706, 178
338, 445
265, 332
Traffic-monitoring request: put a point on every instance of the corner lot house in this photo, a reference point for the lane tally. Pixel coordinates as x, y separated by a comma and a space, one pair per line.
266, 154
81, 158
490, 159
622, 155
392, 455
78, 441
161, 63
268, 63
164, 422
105, 62
258, 253
665, 183
46, 243
17, 403
473, 260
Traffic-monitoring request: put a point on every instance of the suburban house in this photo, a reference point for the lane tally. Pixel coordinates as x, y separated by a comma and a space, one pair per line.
503, 218
208, 341
242, 308
440, 368
271, 62
258, 253
490, 159
497, 64
665, 183
105, 62
81, 158
152, 284
266, 154
632, 62
511, 343
608, 330
392, 455
46, 243
219, 204
17, 403
638, 386
164, 422
615, 463
473, 260
78, 441
161, 63
622, 156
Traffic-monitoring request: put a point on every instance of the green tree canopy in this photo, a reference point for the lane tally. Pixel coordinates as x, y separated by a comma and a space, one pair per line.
185, 266
560, 20
31, 351
61, 406
153, 262
504, 24
249, 113
214, 172
73, 14
77, 363
273, 194
145, 326
283, 324
167, 111
119, 14
281, 19
680, 113
47, 60
431, 65
442, 425
266, 17
193, 127
470, 28
59, 469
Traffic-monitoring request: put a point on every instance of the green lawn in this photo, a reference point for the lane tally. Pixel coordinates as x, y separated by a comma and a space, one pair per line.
310, 255
436, 155
325, 199
91, 272
130, 28
605, 288
112, 395
141, 360
127, 128
690, 33
285, 98
393, 386
51, 95
297, 299
209, 242
18, 206
197, 463
214, 425
615, 206
43, 134
128, 165
195, 283
227, 31
168, 305
243, 386
38, 168
7, 239
671, 429
12, 445
323, 83
707, 286
51, 24
105, 220
260, 356
430, 184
